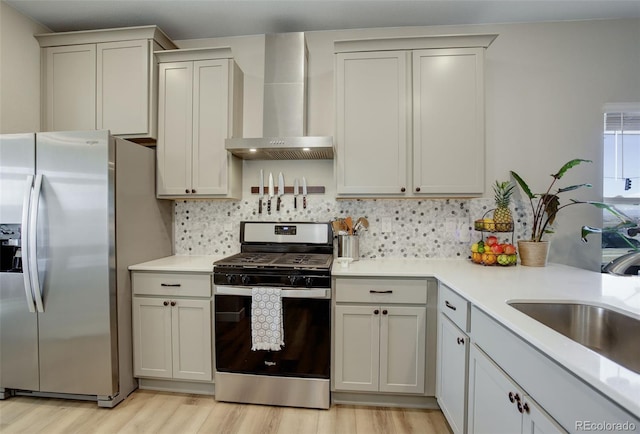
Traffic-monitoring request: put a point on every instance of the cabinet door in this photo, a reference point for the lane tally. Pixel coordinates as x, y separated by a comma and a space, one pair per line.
175, 128
490, 409
448, 121
537, 421
372, 122
70, 73
152, 338
191, 337
210, 126
357, 348
123, 87
402, 349
452, 373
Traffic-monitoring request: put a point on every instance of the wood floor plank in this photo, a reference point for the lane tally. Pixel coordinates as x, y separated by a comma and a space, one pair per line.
340, 419
298, 420
160, 412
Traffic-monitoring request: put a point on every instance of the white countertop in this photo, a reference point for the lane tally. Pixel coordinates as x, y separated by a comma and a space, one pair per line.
179, 263
489, 288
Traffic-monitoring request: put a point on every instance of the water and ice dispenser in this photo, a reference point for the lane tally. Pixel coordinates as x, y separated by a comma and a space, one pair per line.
10, 248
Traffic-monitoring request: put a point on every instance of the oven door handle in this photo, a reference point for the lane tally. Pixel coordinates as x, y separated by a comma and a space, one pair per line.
286, 293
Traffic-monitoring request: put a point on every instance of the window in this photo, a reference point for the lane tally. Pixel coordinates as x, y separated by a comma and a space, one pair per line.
621, 178
621, 152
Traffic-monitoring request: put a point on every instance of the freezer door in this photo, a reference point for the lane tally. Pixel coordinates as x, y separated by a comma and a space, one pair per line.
18, 326
76, 263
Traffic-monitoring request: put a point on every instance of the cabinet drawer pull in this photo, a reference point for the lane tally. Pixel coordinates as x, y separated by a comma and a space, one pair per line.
175, 285
373, 291
449, 305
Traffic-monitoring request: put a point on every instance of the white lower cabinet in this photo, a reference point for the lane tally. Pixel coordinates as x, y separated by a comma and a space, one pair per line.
380, 335
172, 333
498, 405
451, 388
381, 348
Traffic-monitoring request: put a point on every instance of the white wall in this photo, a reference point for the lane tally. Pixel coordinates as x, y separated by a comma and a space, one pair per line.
19, 72
546, 84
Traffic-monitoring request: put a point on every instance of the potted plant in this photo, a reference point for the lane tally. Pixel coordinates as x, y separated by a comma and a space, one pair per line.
533, 252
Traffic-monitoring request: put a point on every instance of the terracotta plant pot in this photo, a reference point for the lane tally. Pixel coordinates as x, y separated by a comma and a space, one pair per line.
533, 253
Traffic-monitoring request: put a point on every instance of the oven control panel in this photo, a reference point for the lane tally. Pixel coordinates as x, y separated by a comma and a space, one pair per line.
285, 230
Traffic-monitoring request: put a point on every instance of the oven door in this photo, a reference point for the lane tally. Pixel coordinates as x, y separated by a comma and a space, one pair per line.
307, 334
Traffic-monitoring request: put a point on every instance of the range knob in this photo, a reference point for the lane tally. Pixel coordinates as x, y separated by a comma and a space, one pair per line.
308, 281
231, 278
244, 279
292, 280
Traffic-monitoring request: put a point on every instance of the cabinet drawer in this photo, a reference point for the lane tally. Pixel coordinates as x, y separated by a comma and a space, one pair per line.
381, 290
454, 306
172, 284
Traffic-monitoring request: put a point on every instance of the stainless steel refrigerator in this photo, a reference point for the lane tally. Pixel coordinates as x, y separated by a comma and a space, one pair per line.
76, 209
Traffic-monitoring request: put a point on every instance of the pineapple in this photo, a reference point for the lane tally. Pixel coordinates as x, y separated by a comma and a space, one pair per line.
502, 213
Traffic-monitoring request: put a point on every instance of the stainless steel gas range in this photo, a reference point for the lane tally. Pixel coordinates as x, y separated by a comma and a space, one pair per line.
295, 259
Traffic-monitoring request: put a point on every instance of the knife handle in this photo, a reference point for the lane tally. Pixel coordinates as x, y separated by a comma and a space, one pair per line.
278, 204
295, 202
304, 202
269, 206
260, 206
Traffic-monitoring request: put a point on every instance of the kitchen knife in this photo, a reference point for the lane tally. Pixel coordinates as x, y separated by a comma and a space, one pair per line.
296, 192
271, 192
304, 192
280, 190
261, 192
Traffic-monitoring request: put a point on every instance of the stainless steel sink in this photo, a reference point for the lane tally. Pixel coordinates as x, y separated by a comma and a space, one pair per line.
613, 335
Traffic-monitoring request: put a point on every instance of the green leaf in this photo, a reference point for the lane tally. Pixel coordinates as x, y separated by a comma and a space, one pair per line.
568, 166
523, 185
574, 187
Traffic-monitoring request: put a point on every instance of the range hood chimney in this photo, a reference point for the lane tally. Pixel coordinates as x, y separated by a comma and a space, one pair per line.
284, 124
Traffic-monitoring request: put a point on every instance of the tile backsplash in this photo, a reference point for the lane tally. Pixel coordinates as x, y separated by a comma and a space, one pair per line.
399, 228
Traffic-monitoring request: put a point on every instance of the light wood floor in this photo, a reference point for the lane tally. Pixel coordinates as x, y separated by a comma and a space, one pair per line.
157, 412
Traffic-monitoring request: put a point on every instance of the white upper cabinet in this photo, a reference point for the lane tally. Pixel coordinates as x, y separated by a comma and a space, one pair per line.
448, 121
200, 106
372, 123
410, 121
102, 79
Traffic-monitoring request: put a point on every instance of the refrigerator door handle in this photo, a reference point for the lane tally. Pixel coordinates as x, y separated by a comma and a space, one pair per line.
24, 231
33, 258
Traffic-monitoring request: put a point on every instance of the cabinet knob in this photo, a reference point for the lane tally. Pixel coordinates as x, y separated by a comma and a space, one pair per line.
520, 407
193, 190
403, 189
418, 189
526, 408
460, 341
384, 312
512, 397
173, 303
166, 303
376, 312
187, 191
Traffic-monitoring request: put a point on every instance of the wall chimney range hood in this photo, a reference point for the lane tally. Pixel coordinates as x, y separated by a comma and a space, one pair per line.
284, 124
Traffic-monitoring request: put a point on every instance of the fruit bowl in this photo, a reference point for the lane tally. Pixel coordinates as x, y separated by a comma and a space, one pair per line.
491, 259
490, 225
491, 252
